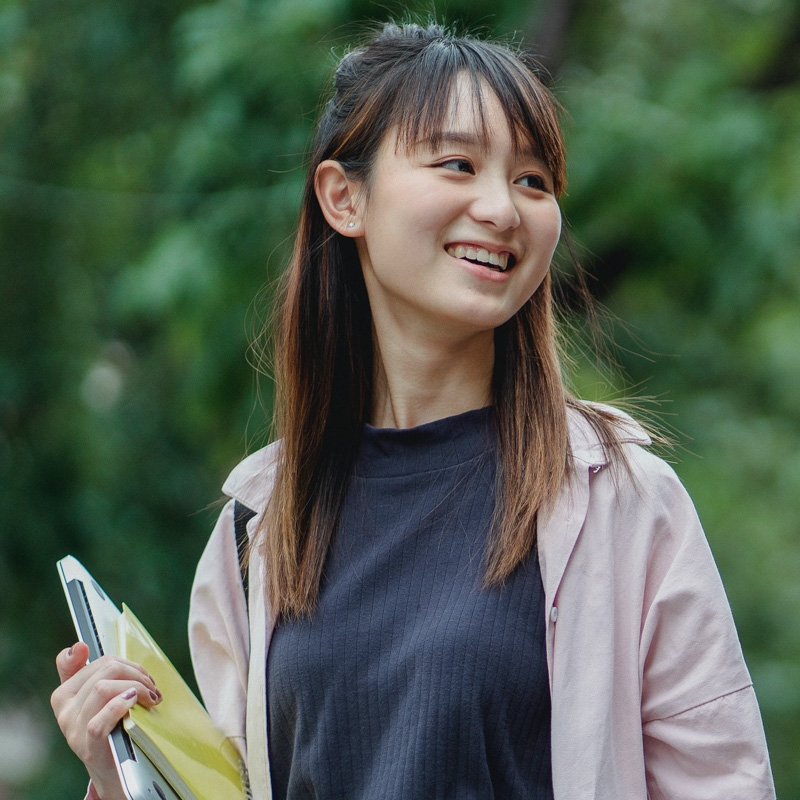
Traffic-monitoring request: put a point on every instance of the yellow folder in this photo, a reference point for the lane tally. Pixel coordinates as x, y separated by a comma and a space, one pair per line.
178, 735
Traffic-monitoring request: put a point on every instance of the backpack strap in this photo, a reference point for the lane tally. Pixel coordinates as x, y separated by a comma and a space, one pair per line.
241, 516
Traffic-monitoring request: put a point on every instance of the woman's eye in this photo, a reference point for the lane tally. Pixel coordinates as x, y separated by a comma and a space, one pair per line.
457, 165
534, 181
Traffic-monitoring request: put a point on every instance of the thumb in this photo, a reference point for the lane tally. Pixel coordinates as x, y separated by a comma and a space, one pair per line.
68, 662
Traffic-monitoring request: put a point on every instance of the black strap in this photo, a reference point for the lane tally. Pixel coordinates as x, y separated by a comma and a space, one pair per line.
241, 516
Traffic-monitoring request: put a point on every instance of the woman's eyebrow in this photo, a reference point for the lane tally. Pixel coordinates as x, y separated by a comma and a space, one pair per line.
461, 138
524, 152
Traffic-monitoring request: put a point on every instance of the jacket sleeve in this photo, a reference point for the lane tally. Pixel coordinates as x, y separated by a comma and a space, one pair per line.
703, 736
219, 633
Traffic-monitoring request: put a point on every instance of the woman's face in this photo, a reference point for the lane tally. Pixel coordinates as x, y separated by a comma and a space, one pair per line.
456, 238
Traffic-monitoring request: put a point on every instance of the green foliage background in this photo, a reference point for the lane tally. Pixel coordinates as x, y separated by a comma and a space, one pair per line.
150, 163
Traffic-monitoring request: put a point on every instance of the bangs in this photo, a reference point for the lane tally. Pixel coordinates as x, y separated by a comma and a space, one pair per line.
422, 105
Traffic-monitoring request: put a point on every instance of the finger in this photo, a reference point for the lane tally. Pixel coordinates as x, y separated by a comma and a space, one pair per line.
98, 700
105, 720
109, 678
93, 685
105, 692
111, 667
68, 662
143, 675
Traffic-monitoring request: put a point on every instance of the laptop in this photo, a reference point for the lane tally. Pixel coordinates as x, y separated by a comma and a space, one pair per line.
94, 616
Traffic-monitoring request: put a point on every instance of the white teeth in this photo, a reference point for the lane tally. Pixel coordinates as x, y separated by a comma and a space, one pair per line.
481, 254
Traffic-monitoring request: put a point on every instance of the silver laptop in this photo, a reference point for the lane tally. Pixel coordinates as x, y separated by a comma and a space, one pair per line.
95, 616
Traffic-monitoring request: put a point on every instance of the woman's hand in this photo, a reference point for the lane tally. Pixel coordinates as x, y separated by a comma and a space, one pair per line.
90, 701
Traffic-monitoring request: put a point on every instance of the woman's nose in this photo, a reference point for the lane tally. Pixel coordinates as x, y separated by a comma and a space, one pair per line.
494, 204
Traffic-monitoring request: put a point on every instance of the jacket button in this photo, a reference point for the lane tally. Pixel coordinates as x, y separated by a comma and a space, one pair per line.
554, 613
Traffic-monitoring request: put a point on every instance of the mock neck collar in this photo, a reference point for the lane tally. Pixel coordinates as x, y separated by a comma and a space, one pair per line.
439, 444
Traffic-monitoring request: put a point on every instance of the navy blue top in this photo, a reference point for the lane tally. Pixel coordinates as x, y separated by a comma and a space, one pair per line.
411, 681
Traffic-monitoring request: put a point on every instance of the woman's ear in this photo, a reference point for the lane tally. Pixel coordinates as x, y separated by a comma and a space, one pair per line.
337, 196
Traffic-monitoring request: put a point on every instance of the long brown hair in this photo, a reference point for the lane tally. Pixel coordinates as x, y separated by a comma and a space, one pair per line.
403, 80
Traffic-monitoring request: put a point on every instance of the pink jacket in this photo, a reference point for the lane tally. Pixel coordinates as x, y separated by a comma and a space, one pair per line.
651, 697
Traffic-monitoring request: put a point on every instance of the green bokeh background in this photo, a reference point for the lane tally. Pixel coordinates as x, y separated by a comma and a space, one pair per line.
151, 156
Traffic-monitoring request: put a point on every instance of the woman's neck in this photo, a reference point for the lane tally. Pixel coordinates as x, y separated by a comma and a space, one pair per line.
421, 379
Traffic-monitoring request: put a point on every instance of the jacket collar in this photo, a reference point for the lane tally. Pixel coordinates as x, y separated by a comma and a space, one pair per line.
251, 480
585, 444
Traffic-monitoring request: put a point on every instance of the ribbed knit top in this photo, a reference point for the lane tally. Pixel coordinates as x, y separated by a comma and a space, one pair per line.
411, 681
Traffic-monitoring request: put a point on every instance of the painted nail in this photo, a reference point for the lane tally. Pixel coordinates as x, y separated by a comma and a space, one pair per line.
155, 697
129, 695
69, 653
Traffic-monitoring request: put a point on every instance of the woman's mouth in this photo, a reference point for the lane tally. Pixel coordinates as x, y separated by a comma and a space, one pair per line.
500, 262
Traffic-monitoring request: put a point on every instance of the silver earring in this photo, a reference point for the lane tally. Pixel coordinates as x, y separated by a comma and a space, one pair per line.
351, 224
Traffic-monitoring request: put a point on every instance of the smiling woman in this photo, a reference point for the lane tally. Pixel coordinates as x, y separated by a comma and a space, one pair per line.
461, 581
453, 238
478, 202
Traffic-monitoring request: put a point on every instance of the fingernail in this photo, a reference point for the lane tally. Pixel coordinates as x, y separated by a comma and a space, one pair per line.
156, 697
129, 695
69, 653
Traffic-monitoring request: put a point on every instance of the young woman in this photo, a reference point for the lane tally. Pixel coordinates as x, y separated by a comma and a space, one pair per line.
463, 582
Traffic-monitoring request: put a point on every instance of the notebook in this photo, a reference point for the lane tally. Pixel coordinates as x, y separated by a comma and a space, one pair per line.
172, 751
